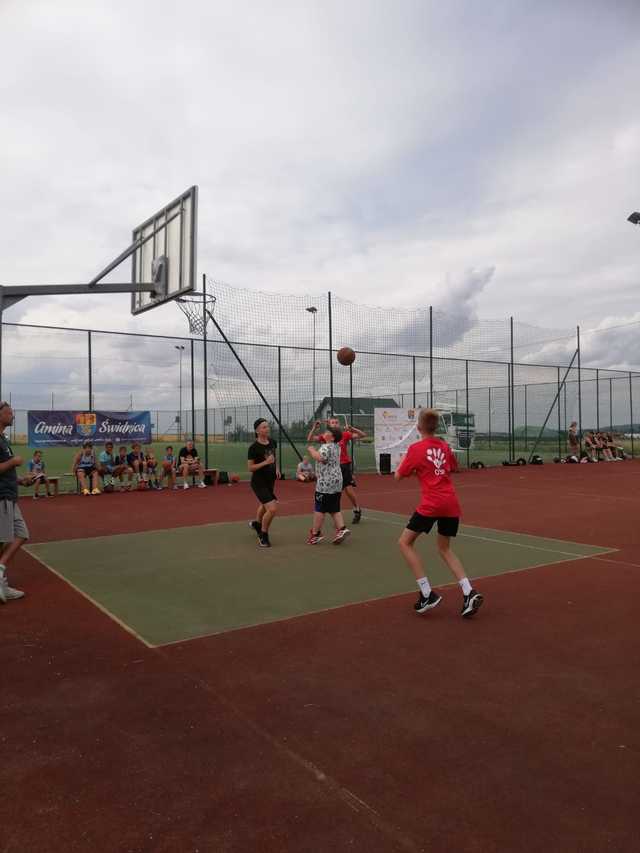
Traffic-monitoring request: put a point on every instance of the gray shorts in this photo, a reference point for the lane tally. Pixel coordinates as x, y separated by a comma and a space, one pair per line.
12, 524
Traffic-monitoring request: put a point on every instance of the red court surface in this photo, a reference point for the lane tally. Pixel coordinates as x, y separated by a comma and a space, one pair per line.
364, 728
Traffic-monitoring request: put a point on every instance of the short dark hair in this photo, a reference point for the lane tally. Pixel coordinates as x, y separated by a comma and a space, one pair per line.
169, 447
257, 423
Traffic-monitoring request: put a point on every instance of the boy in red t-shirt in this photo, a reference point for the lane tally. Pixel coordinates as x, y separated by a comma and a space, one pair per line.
432, 460
346, 463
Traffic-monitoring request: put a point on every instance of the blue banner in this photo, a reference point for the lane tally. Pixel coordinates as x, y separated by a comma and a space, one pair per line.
70, 429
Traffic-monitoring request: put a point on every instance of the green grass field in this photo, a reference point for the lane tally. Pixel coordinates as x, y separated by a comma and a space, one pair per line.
232, 456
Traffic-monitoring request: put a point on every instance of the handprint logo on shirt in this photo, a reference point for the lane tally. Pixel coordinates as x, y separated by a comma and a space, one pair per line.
436, 455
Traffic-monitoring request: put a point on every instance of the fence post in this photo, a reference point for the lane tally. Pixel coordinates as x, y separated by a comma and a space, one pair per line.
205, 319
564, 431
579, 392
597, 400
512, 394
489, 389
90, 368
193, 396
466, 385
559, 424
431, 356
610, 404
413, 363
353, 456
509, 410
280, 408
330, 355
631, 413
525, 417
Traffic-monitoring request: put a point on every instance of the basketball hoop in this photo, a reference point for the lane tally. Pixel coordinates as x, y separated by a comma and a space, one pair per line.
196, 307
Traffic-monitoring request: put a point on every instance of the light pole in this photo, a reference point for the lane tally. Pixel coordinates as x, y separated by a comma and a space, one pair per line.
313, 311
180, 350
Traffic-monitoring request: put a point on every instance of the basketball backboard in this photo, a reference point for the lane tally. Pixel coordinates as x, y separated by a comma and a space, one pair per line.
169, 256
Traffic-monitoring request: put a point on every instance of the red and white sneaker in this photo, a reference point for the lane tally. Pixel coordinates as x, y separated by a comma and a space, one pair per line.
314, 538
341, 535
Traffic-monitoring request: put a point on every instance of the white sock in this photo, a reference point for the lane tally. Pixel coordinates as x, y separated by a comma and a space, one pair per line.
425, 586
465, 586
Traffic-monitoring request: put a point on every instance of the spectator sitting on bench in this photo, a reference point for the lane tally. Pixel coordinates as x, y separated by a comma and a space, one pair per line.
305, 471
137, 462
602, 448
152, 468
616, 451
189, 463
122, 467
85, 468
168, 468
111, 469
36, 468
590, 452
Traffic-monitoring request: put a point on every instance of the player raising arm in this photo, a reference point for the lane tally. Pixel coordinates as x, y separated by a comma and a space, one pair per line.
346, 463
432, 460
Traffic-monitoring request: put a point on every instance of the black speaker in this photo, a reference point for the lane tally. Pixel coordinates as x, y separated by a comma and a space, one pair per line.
385, 463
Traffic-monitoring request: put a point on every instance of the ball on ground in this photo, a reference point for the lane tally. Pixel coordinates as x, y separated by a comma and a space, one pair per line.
346, 356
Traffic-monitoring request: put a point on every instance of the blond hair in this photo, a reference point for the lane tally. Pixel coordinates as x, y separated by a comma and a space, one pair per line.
428, 421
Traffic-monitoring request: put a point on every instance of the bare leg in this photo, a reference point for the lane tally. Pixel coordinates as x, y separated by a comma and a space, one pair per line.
269, 513
452, 561
351, 494
9, 550
411, 558
338, 520
318, 521
82, 479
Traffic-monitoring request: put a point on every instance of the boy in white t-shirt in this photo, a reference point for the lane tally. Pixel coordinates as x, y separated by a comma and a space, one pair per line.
328, 487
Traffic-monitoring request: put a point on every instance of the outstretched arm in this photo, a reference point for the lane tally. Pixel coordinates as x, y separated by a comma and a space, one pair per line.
357, 433
311, 436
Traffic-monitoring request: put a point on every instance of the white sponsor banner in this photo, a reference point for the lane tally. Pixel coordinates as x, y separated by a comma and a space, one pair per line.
394, 430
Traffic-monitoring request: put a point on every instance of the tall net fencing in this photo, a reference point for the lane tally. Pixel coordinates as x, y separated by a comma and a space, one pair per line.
505, 383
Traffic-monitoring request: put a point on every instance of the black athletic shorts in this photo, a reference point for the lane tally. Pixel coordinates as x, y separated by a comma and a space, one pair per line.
327, 503
447, 526
264, 492
347, 474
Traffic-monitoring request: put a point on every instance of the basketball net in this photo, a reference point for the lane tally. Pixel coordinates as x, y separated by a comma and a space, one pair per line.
196, 307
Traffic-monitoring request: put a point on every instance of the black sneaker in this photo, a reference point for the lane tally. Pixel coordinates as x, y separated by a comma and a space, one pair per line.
357, 515
254, 525
263, 540
471, 604
423, 604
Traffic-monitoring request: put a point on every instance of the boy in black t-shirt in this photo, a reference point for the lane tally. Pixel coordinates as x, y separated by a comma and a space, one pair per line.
264, 473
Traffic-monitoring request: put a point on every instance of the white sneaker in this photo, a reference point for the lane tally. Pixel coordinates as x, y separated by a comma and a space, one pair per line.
175, 488
185, 486
202, 484
13, 594
3, 587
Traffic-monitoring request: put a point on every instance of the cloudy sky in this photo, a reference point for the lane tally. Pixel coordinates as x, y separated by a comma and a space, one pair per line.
482, 157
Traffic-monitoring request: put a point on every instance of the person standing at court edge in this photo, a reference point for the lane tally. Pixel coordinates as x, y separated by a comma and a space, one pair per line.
13, 530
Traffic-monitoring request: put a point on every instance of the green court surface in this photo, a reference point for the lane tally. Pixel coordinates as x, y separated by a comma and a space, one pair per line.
171, 585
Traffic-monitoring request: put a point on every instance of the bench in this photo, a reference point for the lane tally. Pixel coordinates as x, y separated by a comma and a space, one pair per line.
71, 491
55, 482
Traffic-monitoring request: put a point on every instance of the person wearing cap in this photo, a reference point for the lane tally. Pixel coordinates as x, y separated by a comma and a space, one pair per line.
86, 469
264, 473
13, 529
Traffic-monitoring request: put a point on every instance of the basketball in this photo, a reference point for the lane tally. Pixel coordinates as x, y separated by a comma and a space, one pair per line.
346, 356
